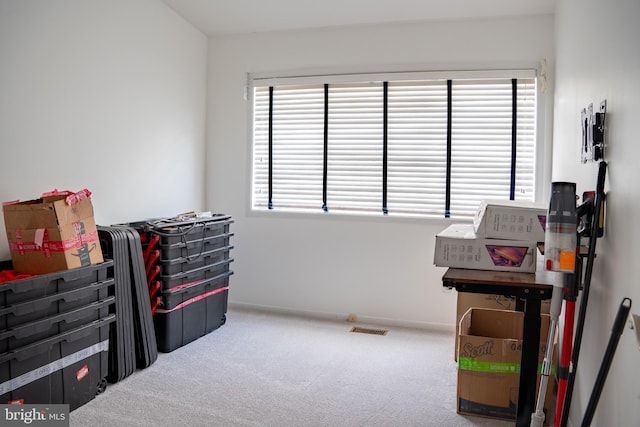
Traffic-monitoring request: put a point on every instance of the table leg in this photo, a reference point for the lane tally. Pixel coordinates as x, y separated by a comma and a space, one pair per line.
529, 363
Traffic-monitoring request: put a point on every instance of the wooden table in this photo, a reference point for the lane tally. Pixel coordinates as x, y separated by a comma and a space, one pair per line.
529, 289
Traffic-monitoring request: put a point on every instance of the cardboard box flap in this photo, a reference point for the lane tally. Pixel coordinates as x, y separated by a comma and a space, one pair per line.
493, 323
76, 212
29, 215
498, 324
467, 300
33, 214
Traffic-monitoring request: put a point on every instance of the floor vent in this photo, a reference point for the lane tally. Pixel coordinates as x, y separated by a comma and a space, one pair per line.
369, 331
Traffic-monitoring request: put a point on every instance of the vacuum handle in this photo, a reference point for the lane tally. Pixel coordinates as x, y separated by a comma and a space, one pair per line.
602, 170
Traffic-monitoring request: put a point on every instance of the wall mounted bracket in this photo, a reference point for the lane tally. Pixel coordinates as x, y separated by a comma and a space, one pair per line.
593, 127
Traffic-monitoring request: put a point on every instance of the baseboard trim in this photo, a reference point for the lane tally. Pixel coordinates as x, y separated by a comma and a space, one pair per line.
368, 320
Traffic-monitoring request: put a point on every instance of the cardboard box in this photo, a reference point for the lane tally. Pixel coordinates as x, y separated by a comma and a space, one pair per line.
53, 233
467, 300
458, 246
511, 220
489, 353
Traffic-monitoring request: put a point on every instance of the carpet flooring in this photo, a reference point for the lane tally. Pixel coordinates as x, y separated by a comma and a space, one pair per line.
268, 369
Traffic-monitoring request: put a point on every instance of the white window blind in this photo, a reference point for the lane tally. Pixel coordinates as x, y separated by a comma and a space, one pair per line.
417, 146
433, 147
354, 181
482, 115
297, 144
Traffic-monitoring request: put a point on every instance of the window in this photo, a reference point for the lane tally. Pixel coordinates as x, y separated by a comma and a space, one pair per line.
402, 144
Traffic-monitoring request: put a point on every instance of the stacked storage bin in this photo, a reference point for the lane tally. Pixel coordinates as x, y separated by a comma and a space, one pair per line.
187, 263
54, 335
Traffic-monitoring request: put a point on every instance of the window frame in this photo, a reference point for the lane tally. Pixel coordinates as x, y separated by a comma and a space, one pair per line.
304, 78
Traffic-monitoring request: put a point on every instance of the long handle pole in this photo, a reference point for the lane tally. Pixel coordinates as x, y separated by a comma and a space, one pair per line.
537, 418
616, 332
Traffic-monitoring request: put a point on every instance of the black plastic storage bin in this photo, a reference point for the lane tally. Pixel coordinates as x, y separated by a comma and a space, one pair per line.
46, 284
172, 231
196, 261
190, 319
185, 251
54, 335
172, 298
204, 272
70, 367
27, 333
187, 262
18, 314
35, 297
187, 236
191, 247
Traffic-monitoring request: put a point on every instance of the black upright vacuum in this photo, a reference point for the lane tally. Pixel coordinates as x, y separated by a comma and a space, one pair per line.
596, 230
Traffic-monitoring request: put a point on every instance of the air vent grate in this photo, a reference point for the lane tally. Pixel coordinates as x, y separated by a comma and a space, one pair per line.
369, 331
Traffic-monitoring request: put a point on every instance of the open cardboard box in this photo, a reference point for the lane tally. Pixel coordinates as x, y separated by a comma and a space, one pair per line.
53, 233
467, 300
489, 353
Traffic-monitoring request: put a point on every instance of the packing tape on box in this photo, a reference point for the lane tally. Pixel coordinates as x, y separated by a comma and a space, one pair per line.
56, 365
71, 197
192, 300
51, 246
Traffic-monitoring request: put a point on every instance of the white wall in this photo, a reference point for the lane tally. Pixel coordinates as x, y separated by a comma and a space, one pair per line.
107, 95
598, 57
377, 268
